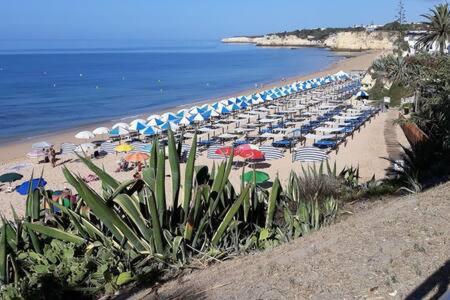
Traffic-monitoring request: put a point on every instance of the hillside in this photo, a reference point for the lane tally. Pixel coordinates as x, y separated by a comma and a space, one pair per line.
349, 38
343, 40
384, 251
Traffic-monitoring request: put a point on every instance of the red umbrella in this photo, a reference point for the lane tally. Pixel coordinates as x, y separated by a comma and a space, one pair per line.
251, 154
225, 151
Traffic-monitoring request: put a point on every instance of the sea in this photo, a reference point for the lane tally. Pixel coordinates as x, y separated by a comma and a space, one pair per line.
51, 86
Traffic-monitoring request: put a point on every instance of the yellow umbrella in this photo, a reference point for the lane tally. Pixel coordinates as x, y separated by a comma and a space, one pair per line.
124, 148
137, 157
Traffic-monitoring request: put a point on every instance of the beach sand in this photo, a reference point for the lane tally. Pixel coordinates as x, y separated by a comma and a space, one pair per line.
365, 149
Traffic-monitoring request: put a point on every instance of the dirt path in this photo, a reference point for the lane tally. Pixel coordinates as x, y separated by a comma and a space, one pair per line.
391, 135
380, 253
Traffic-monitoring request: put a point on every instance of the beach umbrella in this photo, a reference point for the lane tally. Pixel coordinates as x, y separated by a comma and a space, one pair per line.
225, 151
233, 107
222, 110
30, 185
122, 125
155, 122
119, 131
257, 176
10, 177
309, 154
149, 130
84, 135
195, 110
183, 113
124, 148
100, 131
41, 145
252, 154
243, 105
184, 121
85, 147
211, 114
137, 157
168, 125
198, 118
169, 117
35, 153
138, 125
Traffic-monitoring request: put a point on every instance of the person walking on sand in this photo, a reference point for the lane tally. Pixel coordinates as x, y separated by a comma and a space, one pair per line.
53, 156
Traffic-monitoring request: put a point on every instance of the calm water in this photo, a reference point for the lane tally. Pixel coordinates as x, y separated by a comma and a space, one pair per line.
50, 89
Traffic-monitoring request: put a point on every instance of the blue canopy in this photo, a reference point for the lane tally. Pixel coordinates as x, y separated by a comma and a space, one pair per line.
35, 183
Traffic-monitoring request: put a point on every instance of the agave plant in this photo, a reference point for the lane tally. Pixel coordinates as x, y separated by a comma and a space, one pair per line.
136, 217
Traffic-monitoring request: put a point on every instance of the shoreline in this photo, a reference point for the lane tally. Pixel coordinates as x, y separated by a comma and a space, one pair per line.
13, 150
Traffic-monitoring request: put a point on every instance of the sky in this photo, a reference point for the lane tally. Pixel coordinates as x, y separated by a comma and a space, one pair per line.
188, 19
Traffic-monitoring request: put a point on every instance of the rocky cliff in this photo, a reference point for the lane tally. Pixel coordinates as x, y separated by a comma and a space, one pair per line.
361, 40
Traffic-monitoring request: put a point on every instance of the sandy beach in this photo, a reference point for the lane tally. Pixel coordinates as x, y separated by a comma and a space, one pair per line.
17, 149
365, 149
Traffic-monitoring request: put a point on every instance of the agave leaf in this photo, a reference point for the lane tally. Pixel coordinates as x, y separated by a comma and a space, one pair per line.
106, 214
176, 246
188, 177
3, 253
174, 160
120, 189
272, 203
131, 209
160, 184
55, 233
104, 176
229, 216
156, 226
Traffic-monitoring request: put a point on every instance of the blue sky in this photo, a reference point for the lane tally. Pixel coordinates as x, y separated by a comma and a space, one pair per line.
187, 19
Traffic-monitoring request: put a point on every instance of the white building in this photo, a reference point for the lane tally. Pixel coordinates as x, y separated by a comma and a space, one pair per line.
412, 37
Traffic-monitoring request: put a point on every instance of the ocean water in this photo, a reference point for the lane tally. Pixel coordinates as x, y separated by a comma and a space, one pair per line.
48, 87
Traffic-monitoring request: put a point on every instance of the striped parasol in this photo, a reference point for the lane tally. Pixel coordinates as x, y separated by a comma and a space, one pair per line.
187, 148
309, 154
271, 153
108, 147
68, 148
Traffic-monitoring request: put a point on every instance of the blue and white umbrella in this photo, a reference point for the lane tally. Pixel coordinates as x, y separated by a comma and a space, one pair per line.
198, 118
184, 121
118, 131
168, 125
137, 125
169, 117
309, 154
222, 110
195, 110
233, 107
150, 130
155, 122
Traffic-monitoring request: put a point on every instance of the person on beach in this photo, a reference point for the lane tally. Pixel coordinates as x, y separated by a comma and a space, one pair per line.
53, 156
46, 154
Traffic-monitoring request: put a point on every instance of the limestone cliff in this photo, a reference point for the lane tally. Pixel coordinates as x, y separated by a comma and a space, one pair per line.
345, 40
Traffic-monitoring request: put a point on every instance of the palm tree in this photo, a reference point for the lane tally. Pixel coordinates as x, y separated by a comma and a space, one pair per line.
438, 24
